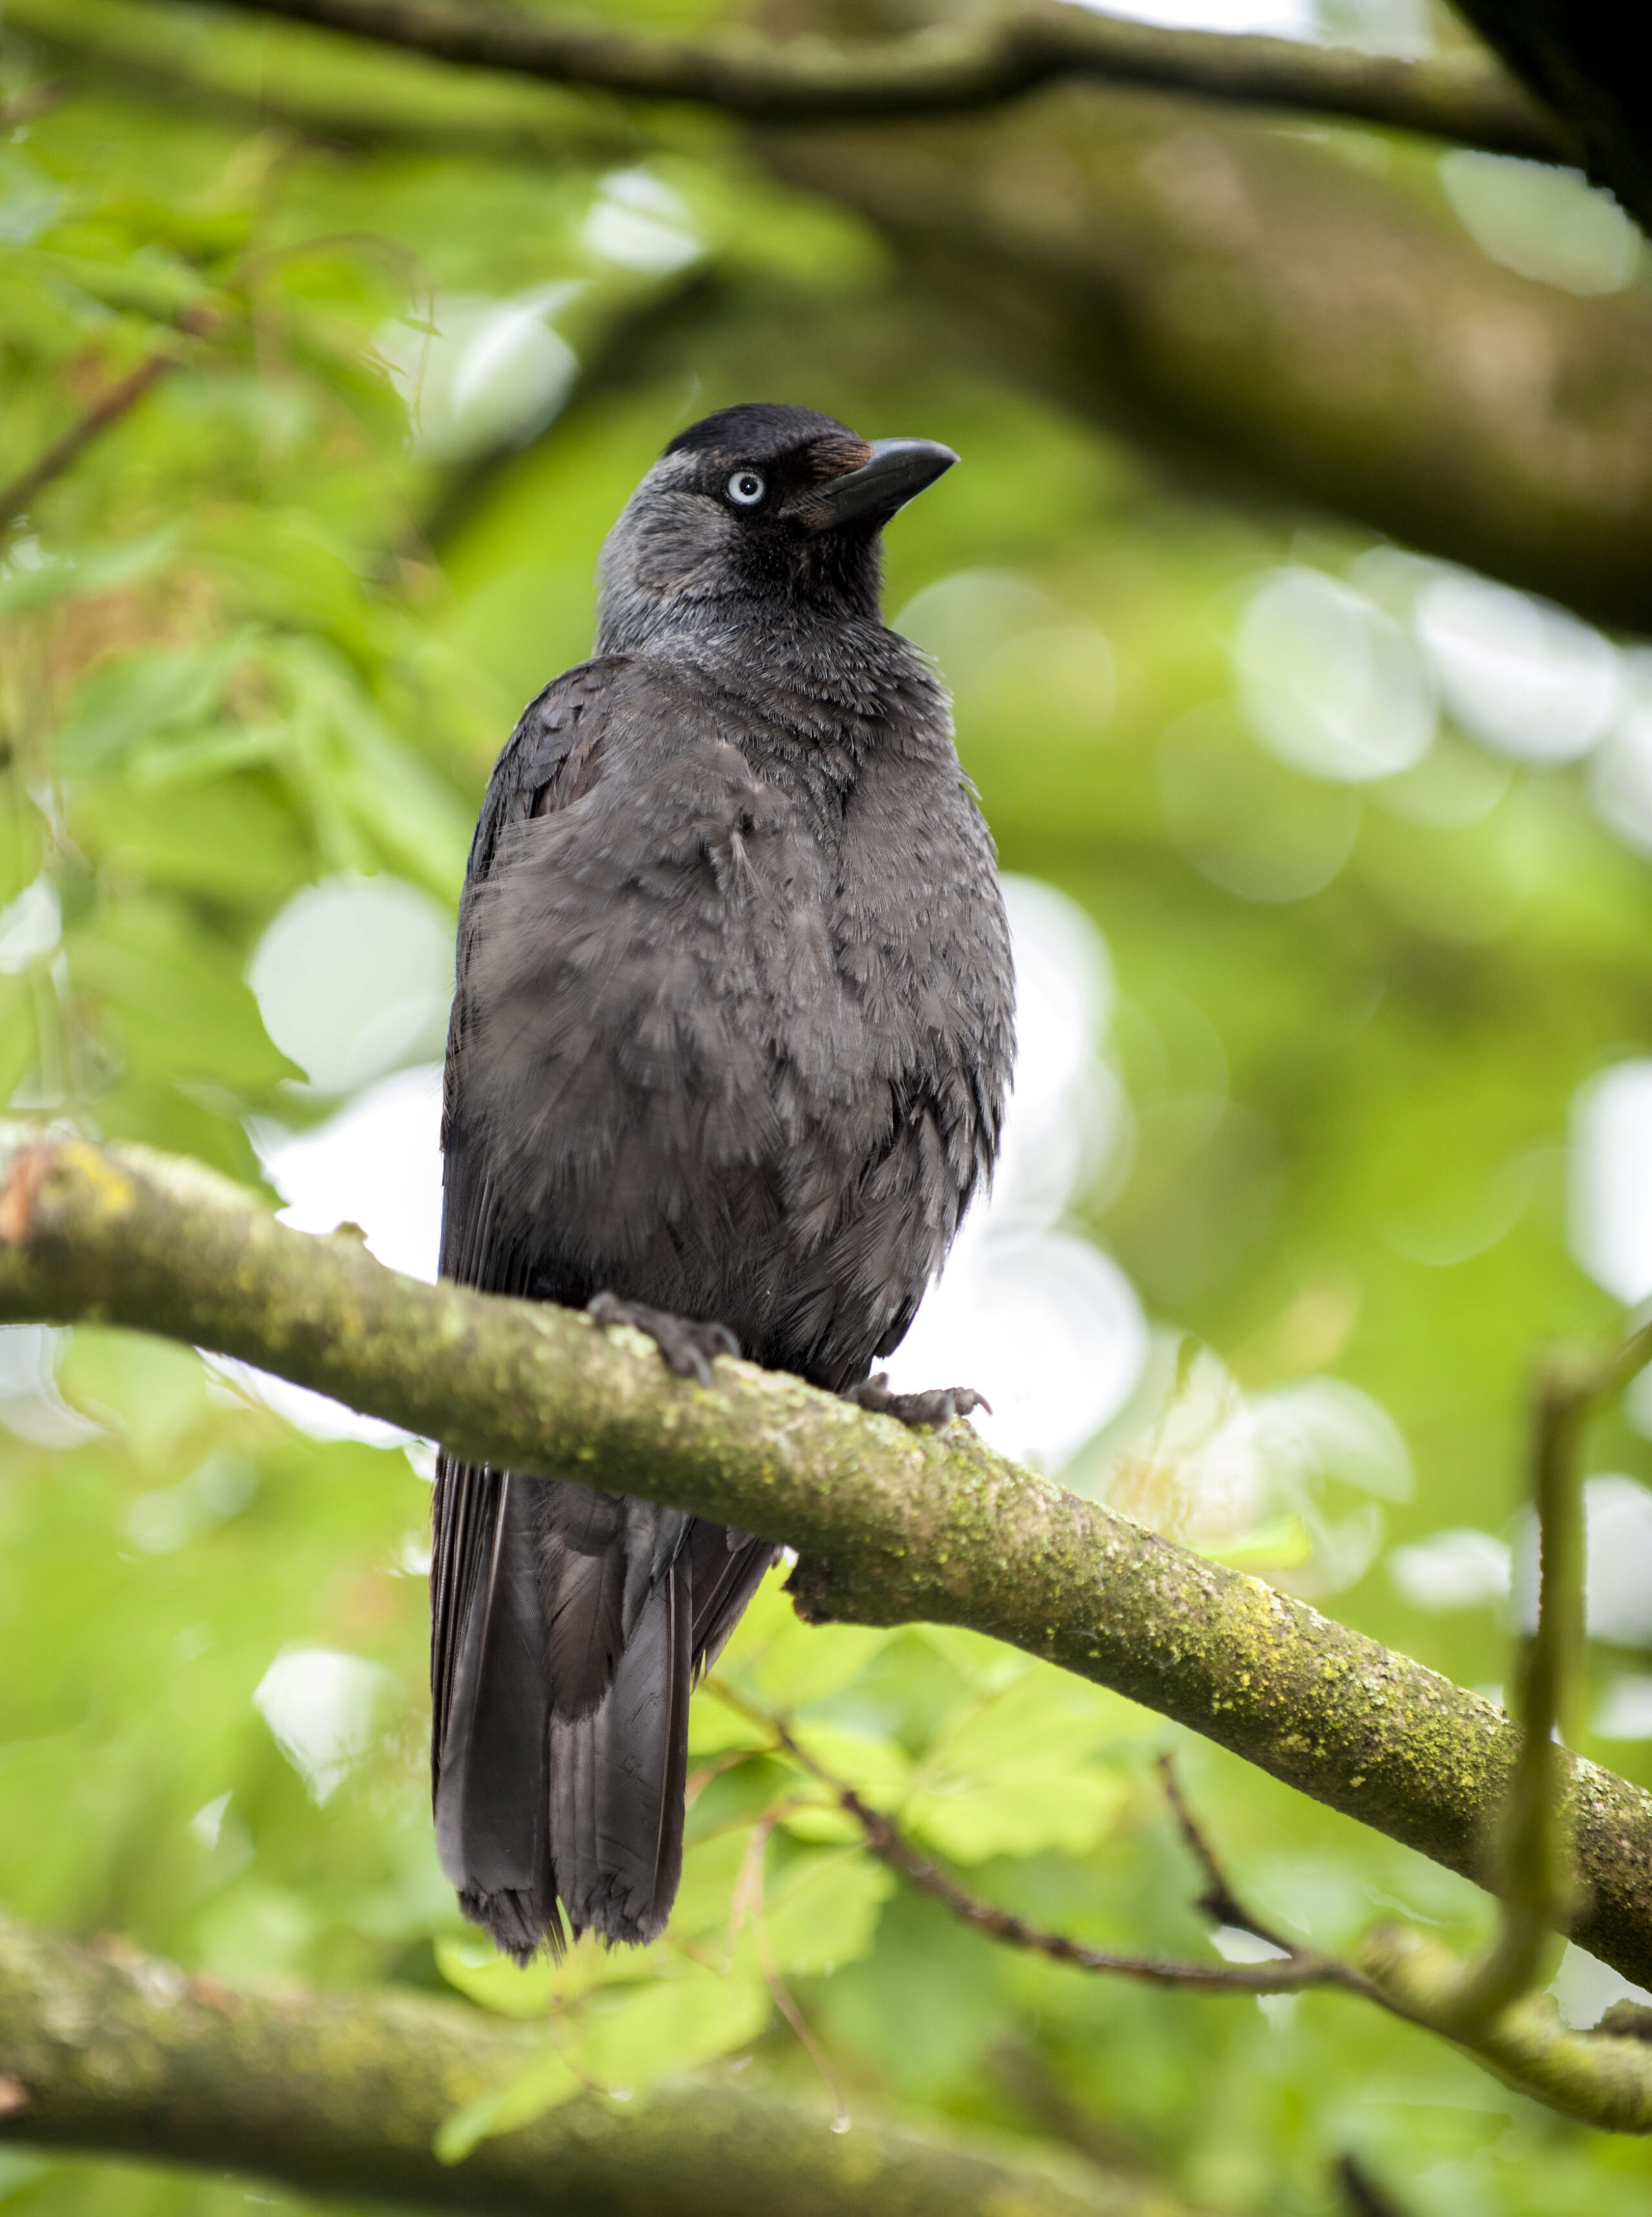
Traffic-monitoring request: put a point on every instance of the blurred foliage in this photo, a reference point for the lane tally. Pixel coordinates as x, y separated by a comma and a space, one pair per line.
259, 635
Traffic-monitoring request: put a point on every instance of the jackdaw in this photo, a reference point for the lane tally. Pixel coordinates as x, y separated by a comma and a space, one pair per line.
727, 1060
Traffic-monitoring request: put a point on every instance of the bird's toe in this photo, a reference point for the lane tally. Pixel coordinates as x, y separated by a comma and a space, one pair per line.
936, 1408
688, 1348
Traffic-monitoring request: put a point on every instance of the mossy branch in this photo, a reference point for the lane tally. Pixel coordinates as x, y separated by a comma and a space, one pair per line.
345, 2094
1535, 1878
891, 1525
952, 66
1491, 2007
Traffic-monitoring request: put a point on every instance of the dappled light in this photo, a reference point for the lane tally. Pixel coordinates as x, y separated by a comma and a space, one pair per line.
1285, 593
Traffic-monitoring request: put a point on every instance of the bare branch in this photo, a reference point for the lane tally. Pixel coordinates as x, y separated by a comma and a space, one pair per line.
1218, 1901
952, 66
1604, 2077
1364, 2196
893, 1526
1491, 2007
1299, 1967
120, 400
344, 92
1182, 272
1536, 1879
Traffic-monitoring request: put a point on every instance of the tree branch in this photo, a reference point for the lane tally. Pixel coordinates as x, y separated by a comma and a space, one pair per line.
893, 1526
345, 2094
1535, 1877
1299, 1967
1188, 277
120, 400
1604, 2077
1177, 272
319, 85
1492, 2007
953, 66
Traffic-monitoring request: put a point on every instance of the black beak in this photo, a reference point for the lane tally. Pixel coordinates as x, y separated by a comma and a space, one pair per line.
899, 471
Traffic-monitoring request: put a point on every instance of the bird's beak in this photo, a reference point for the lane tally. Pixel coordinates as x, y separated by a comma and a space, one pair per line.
899, 471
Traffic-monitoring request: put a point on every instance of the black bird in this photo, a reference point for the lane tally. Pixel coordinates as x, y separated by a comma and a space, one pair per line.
727, 1060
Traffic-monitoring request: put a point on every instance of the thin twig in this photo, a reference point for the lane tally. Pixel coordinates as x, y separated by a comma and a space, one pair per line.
1300, 1967
1536, 1879
748, 1904
1218, 1901
1364, 2196
120, 400
33, 100
946, 68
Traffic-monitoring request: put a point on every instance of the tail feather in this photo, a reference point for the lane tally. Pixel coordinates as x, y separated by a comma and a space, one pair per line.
491, 1784
617, 1778
568, 1628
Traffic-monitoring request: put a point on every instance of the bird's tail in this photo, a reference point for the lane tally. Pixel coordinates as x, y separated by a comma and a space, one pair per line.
567, 1629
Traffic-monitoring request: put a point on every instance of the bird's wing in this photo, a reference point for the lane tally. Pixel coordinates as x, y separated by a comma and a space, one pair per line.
549, 758
567, 1624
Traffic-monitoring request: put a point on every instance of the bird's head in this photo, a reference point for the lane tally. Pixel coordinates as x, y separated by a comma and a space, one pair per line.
757, 509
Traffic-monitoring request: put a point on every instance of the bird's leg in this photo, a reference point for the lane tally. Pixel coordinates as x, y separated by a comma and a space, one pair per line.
689, 1347
936, 1407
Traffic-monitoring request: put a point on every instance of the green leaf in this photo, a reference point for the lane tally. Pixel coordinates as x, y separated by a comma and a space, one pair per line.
634, 2037
783, 1662
29, 199
153, 1394
475, 1968
877, 1766
127, 700
715, 1728
175, 995
494, 1981
1020, 1813
821, 1907
25, 589
542, 2084
711, 1869
1016, 1774
1284, 1545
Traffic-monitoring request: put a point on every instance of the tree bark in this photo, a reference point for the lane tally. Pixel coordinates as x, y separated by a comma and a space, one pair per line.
1230, 295
892, 1526
344, 2094
1297, 320
952, 66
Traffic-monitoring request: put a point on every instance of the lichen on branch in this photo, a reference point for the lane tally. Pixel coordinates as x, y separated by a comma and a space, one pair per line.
891, 1525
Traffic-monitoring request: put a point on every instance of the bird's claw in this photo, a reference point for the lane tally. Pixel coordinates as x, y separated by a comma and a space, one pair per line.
689, 1349
937, 1407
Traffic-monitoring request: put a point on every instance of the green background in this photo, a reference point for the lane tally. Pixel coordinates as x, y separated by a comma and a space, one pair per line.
255, 638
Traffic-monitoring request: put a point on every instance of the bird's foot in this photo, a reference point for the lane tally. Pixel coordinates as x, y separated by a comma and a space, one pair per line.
937, 1407
689, 1349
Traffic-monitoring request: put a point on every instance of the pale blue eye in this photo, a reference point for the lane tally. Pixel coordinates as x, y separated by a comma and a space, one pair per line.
746, 488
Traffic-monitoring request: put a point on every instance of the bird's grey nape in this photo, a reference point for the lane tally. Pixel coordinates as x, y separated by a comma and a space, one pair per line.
663, 566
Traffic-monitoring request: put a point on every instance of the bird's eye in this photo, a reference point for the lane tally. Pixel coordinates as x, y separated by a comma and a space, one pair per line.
746, 488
